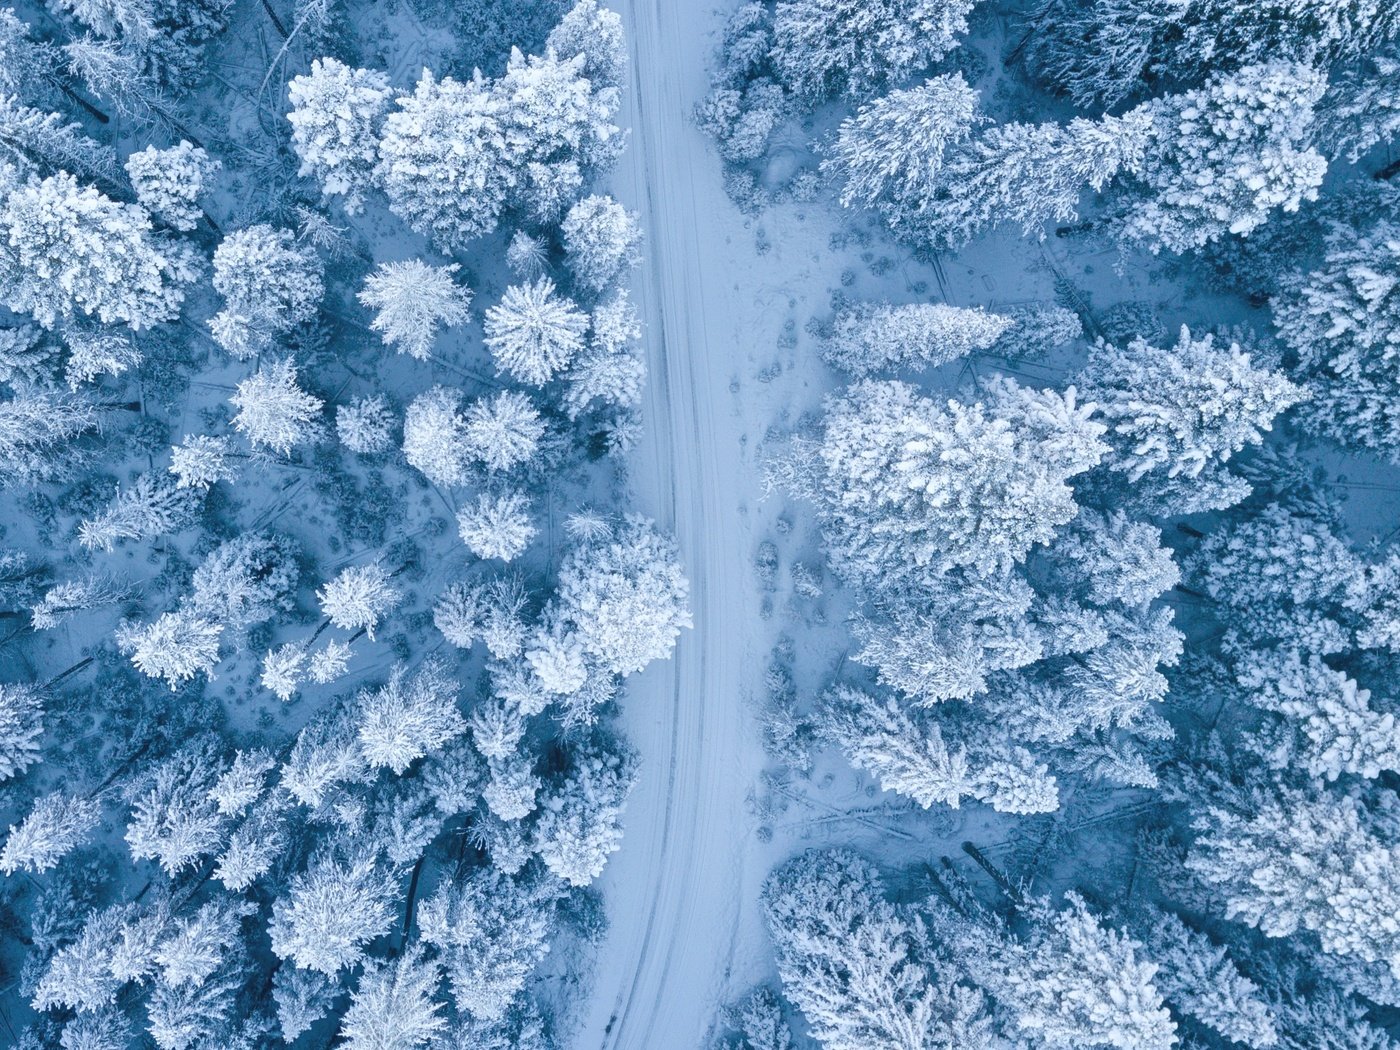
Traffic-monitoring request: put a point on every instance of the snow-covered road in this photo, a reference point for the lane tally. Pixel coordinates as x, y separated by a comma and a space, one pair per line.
676, 889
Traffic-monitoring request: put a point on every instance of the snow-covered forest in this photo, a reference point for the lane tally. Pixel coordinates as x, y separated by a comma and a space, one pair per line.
791, 525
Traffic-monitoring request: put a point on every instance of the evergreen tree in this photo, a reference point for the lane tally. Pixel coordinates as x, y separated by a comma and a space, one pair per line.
602, 240
201, 460
532, 333
358, 597
169, 182
595, 33
331, 912
580, 819
393, 1007
844, 47
151, 506
497, 525
73, 250
492, 931
434, 437
876, 337
270, 284
55, 826
365, 425
38, 431
21, 726
173, 818
336, 117
274, 411
1224, 156
177, 646
1176, 416
502, 432
411, 299
409, 716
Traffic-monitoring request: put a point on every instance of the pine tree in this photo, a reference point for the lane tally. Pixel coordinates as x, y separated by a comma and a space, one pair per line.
201, 460
173, 818
1224, 156
79, 976
492, 931
904, 755
1178, 415
610, 369
443, 160
434, 437
169, 182
848, 961
196, 945
503, 431
393, 1008
1200, 981
70, 597
1342, 320
580, 819
21, 726
72, 250
55, 826
274, 411
510, 792
358, 597
1288, 858
270, 284
497, 525
247, 580
151, 506
38, 434
602, 240
532, 333
595, 33
331, 912
303, 997
336, 117
411, 300
409, 716
177, 646
875, 337
365, 425
845, 47
889, 155
626, 596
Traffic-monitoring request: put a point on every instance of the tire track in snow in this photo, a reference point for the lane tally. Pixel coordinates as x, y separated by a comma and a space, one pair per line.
673, 891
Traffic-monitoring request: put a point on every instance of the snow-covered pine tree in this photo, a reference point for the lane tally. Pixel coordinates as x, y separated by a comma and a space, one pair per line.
443, 160
358, 598
173, 818
1342, 321
497, 525
55, 826
274, 411
534, 333
434, 437
74, 250
177, 646
247, 580
394, 1006
270, 283
336, 116
503, 431
849, 961
1224, 156
38, 434
332, 911
93, 353
1286, 858
888, 156
409, 716
611, 369
856, 48
877, 337
602, 240
411, 299
169, 182
626, 596
581, 812
365, 425
201, 460
492, 931
151, 506
21, 726
595, 33
1175, 416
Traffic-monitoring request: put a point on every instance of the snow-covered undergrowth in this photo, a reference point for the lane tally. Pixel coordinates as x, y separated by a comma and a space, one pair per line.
320, 582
